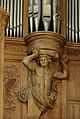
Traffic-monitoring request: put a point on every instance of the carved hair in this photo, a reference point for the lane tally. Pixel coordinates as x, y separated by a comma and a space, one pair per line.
44, 55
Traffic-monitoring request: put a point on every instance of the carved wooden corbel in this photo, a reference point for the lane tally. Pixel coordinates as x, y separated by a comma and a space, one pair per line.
47, 64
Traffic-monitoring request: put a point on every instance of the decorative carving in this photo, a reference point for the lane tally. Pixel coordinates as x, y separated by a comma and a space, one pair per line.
47, 67
11, 85
15, 48
10, 104
46, 71
72, 52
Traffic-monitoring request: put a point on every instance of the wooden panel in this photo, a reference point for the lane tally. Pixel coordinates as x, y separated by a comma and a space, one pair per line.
24, 80
68, 91
12, 83
73, 84
73, 110
15, 49
64, 99
1, 68
14, 52
56, 112
74, 81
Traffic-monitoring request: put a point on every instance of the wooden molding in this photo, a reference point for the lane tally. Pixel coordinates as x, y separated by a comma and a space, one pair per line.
45, 40
4, 17
73, 51
15, 49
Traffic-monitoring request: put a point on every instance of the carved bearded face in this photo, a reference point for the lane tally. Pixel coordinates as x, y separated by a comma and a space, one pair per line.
44, 61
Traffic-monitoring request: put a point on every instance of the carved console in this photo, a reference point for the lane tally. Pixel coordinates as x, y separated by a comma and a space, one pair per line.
46, 66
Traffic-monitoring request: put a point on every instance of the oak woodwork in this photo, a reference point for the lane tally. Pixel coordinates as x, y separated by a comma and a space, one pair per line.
45, 40
46, 65
67, 105
3, 23
68, 99
73, 84
14, 52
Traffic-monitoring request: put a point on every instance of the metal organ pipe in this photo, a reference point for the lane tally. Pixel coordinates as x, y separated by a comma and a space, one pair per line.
4, 5
15, 26
43, 13
11, 18
18, 18
70, 19
21, 18
7, 30
76, 21
59, 16
31, 15
51, 10
36, 13
73, 18
46, 13
72, 22
15, 17
67, 19
56, 15
79, 19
